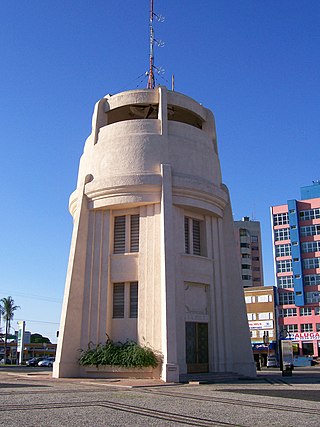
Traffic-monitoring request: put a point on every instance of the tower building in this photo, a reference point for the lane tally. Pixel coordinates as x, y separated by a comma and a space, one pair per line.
248, 238
296, 242
153, 256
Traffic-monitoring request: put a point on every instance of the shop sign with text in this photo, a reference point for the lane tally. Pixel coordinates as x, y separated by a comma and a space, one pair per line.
305, 336
263, 324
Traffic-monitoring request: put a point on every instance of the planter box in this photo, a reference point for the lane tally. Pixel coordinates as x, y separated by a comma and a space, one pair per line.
108, 371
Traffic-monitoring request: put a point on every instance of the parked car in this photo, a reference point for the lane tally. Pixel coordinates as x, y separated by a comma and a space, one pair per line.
34, 361
5, 362
272, 362
47, 362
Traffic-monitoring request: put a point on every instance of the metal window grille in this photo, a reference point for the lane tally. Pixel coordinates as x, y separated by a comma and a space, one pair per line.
133, 299
134, 233
118, 300
196, 237
186, 236
119, 242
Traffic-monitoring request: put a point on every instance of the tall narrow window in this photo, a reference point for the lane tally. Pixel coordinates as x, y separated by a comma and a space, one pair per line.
194, 238
126, 234
134, 233
118, 300
119, 243
133, 299
186, 235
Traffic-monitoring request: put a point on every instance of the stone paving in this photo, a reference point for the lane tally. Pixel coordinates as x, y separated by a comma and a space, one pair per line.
33, 398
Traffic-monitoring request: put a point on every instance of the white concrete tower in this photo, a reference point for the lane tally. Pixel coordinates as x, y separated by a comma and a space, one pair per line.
153, 224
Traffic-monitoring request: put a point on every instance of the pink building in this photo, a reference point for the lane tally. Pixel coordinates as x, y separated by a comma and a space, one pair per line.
296, 243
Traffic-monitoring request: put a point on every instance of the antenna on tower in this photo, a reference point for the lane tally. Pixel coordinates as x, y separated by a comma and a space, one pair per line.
160, 43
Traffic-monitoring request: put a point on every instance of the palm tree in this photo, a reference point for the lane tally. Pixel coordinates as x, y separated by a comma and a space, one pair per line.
7, 310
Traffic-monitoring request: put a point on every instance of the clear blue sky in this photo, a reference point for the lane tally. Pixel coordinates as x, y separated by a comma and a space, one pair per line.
255, 63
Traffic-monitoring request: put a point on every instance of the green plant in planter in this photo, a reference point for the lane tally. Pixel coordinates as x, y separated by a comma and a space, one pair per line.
128, 355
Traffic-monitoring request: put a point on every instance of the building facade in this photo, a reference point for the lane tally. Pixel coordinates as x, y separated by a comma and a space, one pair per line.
153, 257
296, 243
248, 238
262, 319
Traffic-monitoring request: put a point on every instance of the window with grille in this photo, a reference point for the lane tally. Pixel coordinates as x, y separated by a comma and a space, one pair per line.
310, 230
133, 299
288, 312
312, 279
193, 237
306, 327
285, 282
312, 297
284, 266
309, 214
311, 263
280, 219
292, 328
305, 311
126, 234
282, 234
310, 246
286, 298
283, 250
118, 300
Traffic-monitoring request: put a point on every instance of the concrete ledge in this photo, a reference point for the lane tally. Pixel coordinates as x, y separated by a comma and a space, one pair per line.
108, 371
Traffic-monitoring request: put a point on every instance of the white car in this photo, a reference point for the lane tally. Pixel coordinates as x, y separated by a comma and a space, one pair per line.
272, 362
47, 362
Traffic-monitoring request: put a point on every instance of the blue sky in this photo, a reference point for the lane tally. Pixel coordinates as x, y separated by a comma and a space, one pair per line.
255, 63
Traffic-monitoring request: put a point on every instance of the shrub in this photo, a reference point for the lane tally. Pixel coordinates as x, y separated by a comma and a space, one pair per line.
128, 355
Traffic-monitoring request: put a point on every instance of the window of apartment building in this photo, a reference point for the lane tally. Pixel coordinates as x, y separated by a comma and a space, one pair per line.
194, 237
286, 298
246, 277
311, 263
282, 234
254, 239
280, 219
255, 258
246, 266
310, 230
287, 312
265, 316
318, 327
310, 246
250, 299
312, 297
285, 282
317, 311
254, 248
244, 232
253, 334
291, 328
309, 214
245, 245
283, 250
256, 279
256, 269
284, 266
245, 256
268, 333
306, 327
305, 311
265, 298
126, 234
312, 279
121, 292
251, 316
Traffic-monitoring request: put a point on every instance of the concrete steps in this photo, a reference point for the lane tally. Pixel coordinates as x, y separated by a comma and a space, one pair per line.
210, 377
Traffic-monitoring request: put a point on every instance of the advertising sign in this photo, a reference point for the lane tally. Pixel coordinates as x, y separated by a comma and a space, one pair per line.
287, 352
262, 324
20, 346
304, 336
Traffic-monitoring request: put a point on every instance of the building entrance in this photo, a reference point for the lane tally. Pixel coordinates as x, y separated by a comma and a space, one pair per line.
197, 347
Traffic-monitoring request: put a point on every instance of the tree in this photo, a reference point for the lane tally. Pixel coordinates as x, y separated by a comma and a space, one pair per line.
7, 309
38, 338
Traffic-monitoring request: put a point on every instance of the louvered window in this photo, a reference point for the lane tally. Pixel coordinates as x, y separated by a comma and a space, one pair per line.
133, 299
126, 234
119, 244
134, 233
118, 300
193, 237
196, 237
186, 235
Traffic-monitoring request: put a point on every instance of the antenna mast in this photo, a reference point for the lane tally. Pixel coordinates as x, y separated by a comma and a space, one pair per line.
151, 56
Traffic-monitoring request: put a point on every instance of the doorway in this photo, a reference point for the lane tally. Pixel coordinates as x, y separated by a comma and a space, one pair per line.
197, 347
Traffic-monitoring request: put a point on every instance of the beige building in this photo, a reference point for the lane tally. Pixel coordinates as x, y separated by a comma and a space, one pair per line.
262, 320
153, 256
248, 238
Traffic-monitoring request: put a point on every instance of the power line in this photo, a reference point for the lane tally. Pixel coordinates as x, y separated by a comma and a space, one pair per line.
34, 297
38, 321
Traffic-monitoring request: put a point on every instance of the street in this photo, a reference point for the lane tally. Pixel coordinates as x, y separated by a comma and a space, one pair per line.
31, 397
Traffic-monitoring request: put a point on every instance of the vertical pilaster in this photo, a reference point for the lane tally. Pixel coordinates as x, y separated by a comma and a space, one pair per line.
170, 369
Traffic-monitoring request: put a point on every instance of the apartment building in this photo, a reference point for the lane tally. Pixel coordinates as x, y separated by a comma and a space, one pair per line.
248, 238
296, 243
